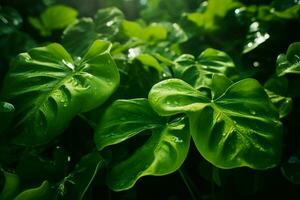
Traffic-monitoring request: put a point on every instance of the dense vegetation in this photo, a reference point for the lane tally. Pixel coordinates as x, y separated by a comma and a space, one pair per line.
149, 99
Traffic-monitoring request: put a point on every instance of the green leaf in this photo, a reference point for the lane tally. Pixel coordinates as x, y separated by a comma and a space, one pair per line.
199, 74
219, 85
153, 32
175, 96
76, 185
286, 9
280, 94
132, 29
214, 10
289, 63
149, 60
44, 191
105, 25
48, 88
124, 119
53, 18
283, 104
11, 186
162, 154
239, 128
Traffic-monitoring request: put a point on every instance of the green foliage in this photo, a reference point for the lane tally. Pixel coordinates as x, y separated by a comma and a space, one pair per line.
205, 91
163, 153
53, 18
237, 127
47, 86
105, 25
289, 63
124, 119
199, 72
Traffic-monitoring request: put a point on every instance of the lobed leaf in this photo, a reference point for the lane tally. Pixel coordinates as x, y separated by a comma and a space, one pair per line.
124, 119
162, 154
48, 88
199, 73
239, 128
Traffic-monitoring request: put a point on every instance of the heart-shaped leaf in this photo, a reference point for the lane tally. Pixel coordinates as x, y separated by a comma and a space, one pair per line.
124, 119
239, 128
162, 154
48, 88
199, 72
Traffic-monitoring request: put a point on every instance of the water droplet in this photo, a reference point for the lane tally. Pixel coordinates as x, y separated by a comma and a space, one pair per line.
164, 75
69, 158
133, 52
110, 23
238, 11
256, 64
272, 10
15, 22
253, 112
250, 44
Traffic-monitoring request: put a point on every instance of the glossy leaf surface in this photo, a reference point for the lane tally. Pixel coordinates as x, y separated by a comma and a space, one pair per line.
239, 128
104, 25
48, 88
124, 119
163, 153
199, 72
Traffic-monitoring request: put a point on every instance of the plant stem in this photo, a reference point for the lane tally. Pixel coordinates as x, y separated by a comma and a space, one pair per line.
187, 182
